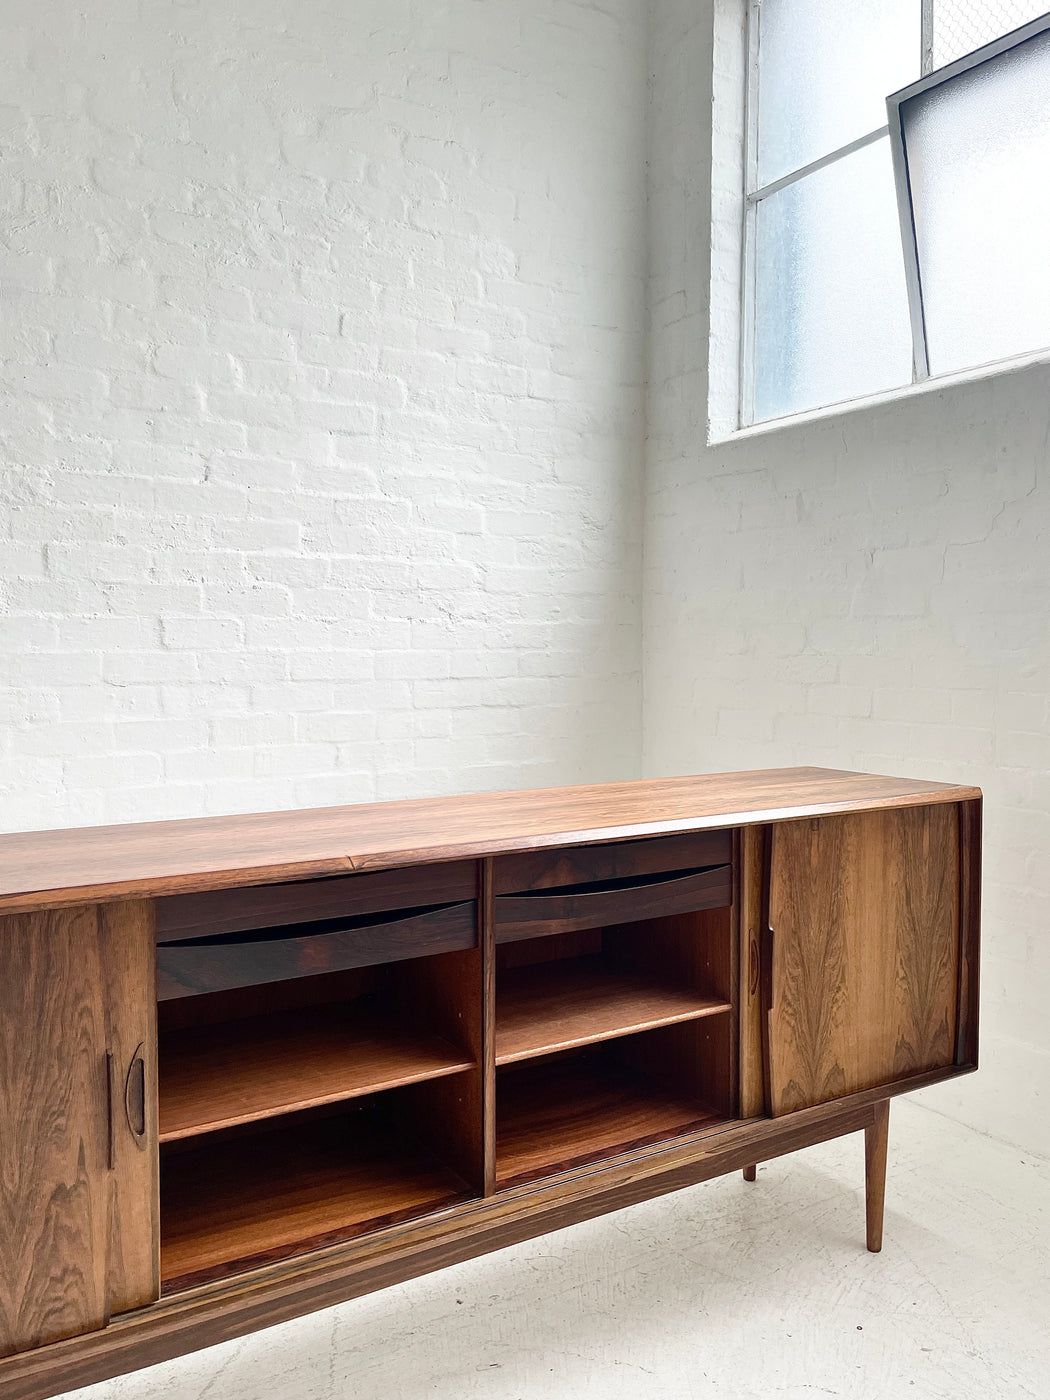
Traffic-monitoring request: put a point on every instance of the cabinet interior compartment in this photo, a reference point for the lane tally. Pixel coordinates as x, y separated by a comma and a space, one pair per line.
565, 1110
254, 1052
297, 1113
611, 1039
254, 1194
564, 990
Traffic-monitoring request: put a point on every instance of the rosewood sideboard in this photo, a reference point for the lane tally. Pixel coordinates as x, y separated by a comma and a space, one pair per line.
253, 1066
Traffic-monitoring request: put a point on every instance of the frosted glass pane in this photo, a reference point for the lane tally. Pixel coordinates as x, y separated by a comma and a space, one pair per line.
831, 310
960, 26
825, 69
979, 164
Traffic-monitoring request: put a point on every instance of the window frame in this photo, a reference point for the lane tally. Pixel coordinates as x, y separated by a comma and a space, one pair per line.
753, 194
905, 205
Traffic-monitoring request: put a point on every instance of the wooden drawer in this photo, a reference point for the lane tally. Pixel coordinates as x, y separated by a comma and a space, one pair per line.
189, 967
649, 897
184, 916
577, 865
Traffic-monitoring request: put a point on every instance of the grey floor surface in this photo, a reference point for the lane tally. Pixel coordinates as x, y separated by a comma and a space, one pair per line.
727, 1290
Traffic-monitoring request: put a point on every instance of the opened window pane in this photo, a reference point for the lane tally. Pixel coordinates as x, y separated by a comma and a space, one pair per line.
978, 152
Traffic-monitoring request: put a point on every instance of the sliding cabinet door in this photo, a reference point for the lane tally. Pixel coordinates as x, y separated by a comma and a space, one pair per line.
78, 1149
863, 952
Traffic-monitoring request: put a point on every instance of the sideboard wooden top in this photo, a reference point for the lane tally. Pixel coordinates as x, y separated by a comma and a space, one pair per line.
53, 868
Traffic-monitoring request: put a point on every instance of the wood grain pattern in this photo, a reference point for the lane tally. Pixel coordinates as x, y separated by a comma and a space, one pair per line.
127, 956
924, 918
544, 869
77, 1196
39, 869
253, 1200
563, 1113
864, 917
571, 1002
54, 1115
691, 950
244, 1071
527, 916
232, 1307
192, 969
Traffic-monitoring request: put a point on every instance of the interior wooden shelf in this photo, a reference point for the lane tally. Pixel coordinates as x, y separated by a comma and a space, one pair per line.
214, 1077
567, 1111
560, 1004
236, 1204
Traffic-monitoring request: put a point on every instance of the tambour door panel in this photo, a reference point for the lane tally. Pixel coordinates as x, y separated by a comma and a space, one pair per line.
128, 950
863, 951
76, 1242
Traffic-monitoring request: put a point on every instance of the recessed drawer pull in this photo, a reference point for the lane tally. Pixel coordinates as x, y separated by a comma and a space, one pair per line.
189, 916
194, 966
624, 882
531, 915
573, 865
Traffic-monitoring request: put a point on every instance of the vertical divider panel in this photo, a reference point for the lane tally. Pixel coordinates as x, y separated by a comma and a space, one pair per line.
692, 951
748, 865
487, 946
446, 989
716, 1036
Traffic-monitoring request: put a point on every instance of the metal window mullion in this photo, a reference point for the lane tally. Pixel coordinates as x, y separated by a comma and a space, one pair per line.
746, 410
926, 54
747, 321
793, 177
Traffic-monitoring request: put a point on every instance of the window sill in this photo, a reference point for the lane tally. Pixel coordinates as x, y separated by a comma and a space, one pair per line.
994, 370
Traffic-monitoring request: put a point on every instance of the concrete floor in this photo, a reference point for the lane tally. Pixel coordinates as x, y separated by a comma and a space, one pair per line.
724, 1290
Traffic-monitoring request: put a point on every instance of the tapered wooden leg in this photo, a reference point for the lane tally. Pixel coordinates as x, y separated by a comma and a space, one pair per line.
876, 1139
750, 1173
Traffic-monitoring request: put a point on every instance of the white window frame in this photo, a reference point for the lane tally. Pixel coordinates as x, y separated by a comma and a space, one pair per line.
754, 194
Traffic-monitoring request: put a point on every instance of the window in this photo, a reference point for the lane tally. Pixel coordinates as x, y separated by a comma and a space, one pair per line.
825, 294
971, 148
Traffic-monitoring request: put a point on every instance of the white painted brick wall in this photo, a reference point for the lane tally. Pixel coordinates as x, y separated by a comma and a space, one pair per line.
871, 591
321, 353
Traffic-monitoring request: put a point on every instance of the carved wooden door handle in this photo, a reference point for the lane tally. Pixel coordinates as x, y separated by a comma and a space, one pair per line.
754, 966
135, 1097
